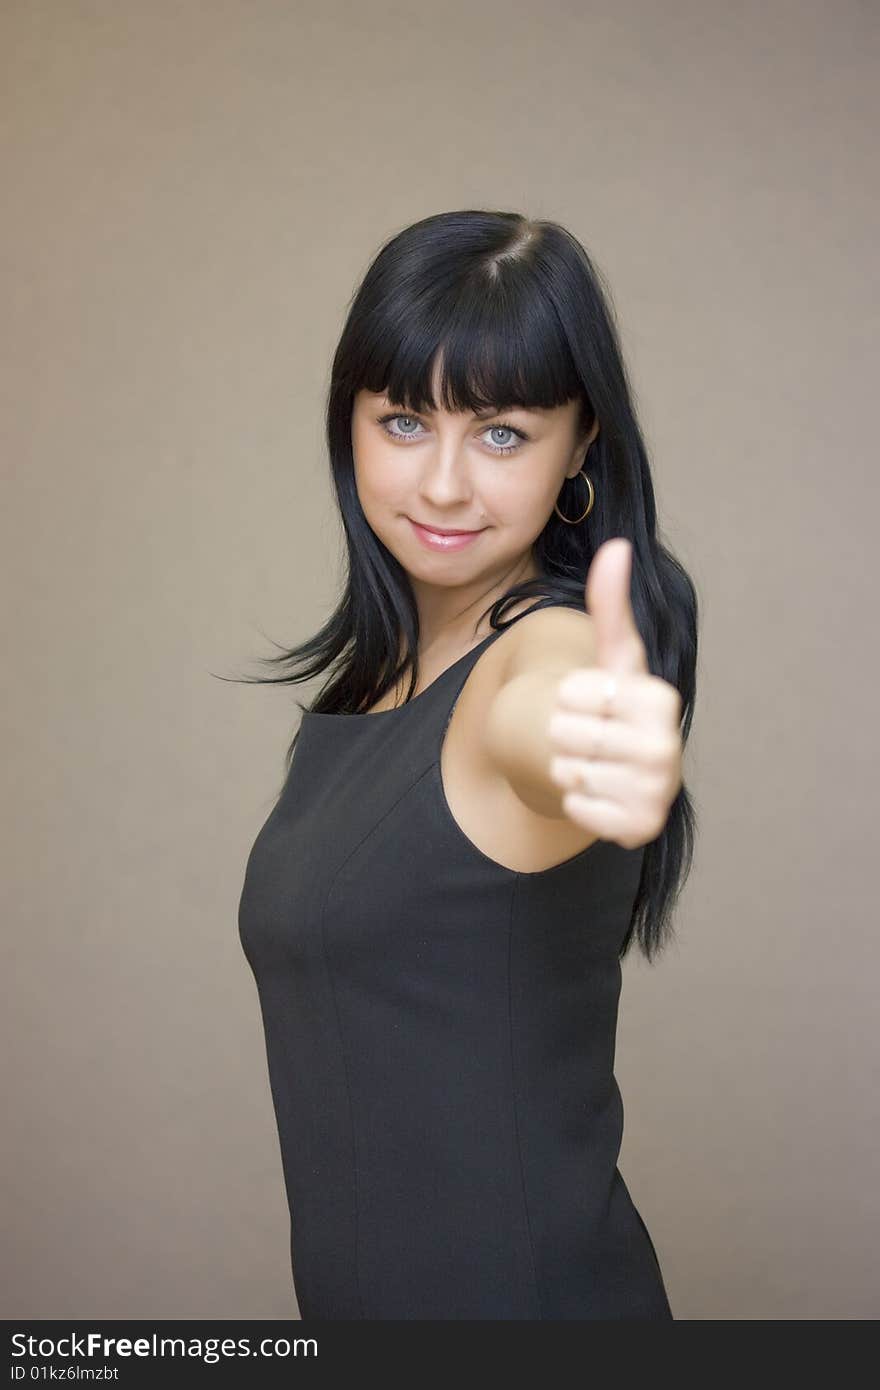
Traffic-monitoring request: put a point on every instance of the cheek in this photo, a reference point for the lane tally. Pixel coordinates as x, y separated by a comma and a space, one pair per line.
377, 469
520, 497
380, 482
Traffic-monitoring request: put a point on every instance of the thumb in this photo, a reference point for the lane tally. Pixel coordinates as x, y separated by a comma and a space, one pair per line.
619, 646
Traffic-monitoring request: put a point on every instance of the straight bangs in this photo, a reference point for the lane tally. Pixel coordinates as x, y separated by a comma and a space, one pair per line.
497, 343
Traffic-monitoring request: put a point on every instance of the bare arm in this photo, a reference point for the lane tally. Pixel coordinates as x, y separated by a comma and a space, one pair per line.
550, 643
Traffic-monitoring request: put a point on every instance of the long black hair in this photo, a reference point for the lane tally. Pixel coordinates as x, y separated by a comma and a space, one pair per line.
513, 312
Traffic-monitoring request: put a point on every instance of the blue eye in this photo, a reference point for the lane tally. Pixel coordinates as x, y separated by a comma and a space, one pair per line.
385, 420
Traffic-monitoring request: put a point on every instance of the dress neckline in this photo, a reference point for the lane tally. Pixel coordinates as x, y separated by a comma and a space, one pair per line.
399, 709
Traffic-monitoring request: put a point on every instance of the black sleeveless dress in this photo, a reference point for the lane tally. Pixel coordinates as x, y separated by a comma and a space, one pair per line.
440, 1035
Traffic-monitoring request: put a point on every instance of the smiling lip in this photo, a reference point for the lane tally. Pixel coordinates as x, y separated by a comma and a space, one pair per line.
436, 539
445, 530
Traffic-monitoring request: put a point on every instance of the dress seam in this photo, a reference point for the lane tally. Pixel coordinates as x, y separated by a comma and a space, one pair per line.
339, 1029
513, 1090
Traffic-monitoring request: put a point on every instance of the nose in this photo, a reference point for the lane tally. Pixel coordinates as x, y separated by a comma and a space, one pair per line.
445, 481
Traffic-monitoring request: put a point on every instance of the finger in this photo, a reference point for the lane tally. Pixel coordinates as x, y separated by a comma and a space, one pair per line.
619, 645
617, 782
588, 736
584, 775
588, 689
606, 819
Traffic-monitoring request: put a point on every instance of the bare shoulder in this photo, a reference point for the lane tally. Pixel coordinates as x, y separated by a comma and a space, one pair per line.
543, 639
547, 638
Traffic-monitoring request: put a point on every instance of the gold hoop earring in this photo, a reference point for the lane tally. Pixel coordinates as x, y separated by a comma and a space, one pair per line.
575, 520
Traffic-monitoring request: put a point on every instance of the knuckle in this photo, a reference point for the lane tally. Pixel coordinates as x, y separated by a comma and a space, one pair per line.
669, 699
662, 750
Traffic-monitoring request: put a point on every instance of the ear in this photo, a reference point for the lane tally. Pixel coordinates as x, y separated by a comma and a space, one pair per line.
582, 449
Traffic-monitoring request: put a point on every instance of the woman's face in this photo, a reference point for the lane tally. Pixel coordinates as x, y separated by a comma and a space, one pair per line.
495, 477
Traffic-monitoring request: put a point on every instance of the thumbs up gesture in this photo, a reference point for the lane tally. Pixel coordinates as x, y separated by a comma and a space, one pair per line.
615, 727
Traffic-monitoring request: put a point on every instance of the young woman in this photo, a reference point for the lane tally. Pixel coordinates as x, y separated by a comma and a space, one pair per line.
484, 805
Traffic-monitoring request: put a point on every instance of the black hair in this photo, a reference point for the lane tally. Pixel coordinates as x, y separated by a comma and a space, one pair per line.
513, 312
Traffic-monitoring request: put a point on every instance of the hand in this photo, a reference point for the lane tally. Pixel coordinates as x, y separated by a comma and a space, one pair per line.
615, 725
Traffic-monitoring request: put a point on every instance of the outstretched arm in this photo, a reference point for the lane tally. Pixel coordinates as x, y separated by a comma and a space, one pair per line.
579, 726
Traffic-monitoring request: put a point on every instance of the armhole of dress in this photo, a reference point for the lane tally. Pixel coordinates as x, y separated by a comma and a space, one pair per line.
477, 653
469, 666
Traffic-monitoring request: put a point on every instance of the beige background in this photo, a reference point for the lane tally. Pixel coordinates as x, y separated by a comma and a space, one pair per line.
192, 191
